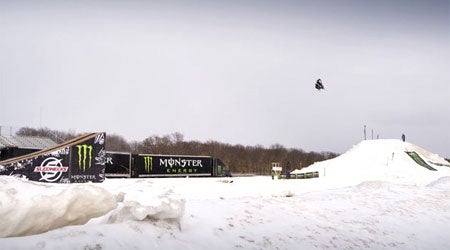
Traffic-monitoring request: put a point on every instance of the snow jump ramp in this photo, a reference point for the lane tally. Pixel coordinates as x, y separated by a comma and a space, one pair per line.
382, 160
81, 159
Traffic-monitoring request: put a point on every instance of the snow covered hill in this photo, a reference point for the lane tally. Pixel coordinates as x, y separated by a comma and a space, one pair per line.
384, 160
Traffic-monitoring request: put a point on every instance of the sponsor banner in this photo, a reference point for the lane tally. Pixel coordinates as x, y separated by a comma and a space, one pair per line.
19, 169
51, 167
88, 160
80, 161
117, 164
173, 165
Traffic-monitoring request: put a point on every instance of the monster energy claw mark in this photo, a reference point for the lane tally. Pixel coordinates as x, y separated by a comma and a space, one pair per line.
83, 152
148, 164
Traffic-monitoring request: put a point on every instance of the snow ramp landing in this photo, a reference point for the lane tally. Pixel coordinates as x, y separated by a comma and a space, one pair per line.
81, 159
385, 160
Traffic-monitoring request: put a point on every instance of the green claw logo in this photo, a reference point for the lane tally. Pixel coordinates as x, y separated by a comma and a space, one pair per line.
84, 151
148, 163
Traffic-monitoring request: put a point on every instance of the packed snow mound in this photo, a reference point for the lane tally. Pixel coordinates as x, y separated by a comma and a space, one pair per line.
382, 160
28, 207
167, 206
142, 202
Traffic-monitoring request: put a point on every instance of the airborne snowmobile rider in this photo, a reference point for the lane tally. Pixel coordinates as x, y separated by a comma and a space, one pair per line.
319, 84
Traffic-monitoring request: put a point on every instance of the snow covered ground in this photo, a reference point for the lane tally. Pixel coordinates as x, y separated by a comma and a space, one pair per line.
374, 196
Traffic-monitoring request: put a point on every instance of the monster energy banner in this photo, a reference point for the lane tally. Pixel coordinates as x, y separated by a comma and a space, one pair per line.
79, 160
173, 165
88, 161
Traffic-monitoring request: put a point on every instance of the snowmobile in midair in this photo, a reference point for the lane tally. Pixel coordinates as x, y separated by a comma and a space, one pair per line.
319, 84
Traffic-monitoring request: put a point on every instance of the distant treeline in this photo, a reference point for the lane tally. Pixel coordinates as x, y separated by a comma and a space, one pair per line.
238, 158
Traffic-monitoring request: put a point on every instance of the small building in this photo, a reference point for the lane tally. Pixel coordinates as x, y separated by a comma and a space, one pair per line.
14, 146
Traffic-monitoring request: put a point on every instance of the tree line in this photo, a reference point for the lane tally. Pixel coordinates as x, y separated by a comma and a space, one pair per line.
238, 158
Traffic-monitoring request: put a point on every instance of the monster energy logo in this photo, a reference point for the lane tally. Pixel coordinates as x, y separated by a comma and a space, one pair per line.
148, 164
84, 151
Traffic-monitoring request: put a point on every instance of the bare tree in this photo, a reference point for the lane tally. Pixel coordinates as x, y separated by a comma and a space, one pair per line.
117, 143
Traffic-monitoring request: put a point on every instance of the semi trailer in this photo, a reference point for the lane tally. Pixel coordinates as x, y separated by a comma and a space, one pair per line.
119, 164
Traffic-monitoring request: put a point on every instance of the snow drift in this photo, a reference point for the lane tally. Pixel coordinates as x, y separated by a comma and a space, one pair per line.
28, 207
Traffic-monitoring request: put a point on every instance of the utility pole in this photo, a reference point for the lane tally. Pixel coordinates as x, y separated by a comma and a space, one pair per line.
365, 135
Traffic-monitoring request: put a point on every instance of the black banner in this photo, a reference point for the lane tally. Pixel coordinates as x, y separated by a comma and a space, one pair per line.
170, 165
51, 167
80, 160
118, 164
88, 160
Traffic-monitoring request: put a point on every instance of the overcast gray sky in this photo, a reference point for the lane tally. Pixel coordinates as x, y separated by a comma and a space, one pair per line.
239, 72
